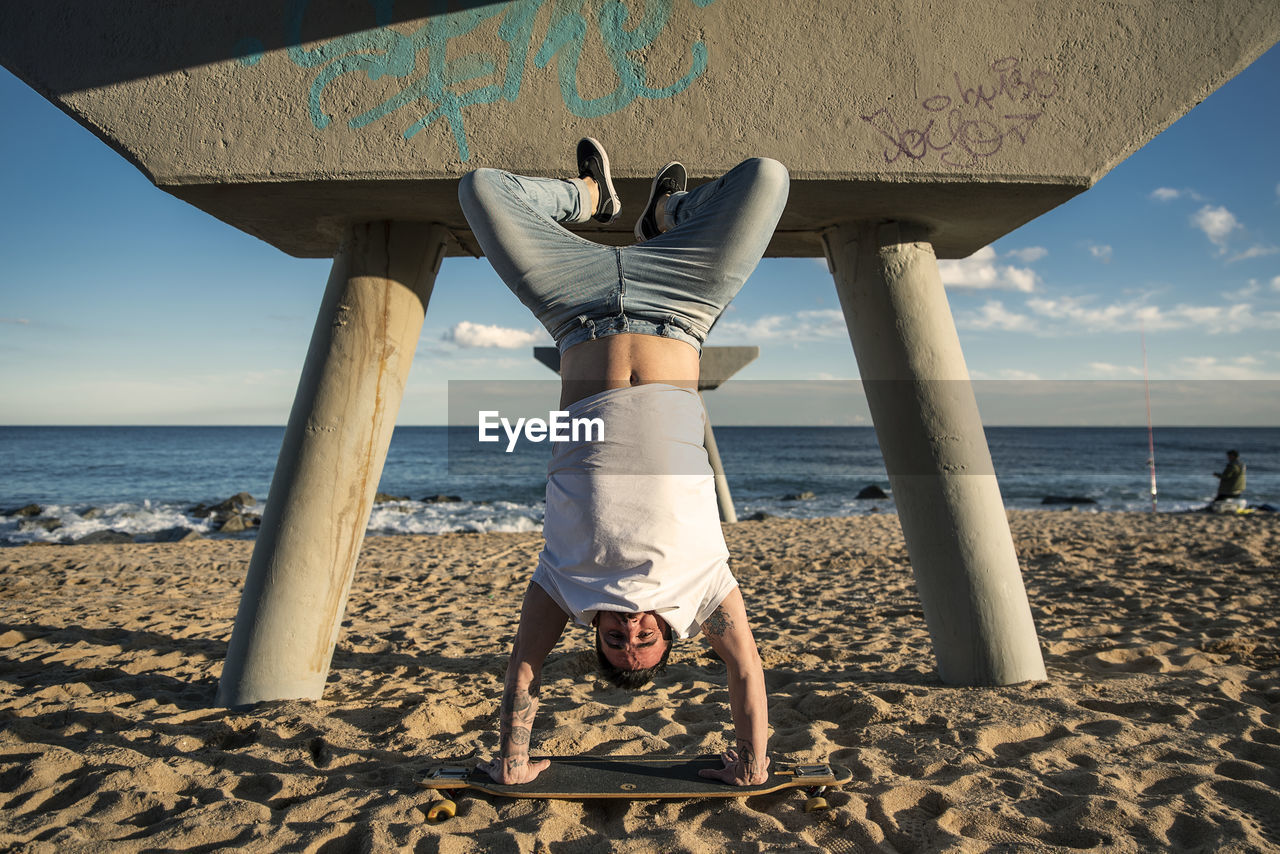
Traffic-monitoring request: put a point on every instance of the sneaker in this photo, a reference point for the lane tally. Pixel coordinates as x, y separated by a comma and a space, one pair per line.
672, 179
593, 163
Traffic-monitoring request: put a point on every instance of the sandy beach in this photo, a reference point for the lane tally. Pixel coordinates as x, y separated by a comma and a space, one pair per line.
1158, 730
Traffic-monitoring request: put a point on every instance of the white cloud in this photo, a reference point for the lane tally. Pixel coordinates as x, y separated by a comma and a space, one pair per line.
1106, 369
1213, 368
1168, 194
810, 325
1257, 251
468, 334
769, 327
1103, 318
1102, 252
1217, 223
989, 379
993, 315
980, 272
17, 321
1133, 315
976, 271
1028, 255
1016, 374
1021, 279
1275, 284
1250, 289
824, 316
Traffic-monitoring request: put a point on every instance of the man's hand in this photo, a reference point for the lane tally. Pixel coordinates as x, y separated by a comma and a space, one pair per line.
741, 768
513, 772
541, 622
730, 636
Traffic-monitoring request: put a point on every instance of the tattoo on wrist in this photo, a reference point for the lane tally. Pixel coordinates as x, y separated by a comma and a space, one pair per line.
718, 623
747, 758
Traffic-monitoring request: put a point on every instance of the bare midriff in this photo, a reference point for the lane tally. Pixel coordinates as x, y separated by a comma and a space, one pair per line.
620, 361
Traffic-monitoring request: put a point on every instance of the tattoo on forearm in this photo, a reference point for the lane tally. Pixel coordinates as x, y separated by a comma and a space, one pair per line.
747, 758
516, 718
515, 701
718, 623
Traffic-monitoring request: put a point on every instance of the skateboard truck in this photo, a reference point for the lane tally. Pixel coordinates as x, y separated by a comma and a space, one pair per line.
449, 772
802, 771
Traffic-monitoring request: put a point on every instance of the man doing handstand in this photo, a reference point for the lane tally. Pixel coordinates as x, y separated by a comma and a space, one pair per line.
633, 539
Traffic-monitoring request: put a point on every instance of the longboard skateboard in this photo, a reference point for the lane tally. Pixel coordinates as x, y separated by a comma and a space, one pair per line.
630, 778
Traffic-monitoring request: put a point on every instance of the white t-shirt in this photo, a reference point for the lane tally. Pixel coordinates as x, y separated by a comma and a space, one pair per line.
632, 523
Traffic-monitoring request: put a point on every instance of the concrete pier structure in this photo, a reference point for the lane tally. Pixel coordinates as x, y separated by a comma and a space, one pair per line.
290, 119
724, 498
330, 461
935, 452
298, 122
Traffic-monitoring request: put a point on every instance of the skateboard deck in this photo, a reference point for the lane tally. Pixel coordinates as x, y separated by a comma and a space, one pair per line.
632, 777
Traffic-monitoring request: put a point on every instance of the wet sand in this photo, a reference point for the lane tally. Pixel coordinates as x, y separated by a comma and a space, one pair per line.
1158, 730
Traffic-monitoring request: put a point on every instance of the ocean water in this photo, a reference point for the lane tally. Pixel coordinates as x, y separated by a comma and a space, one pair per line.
143, 480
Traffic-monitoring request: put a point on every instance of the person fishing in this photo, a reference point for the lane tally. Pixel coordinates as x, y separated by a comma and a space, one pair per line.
634, 547
1231, 479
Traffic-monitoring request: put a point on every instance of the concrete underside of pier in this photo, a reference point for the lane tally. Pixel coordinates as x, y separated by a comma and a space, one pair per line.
292, 120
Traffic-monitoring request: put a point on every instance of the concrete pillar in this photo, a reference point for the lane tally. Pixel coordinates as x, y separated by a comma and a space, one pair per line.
330, 462
935, 451
723, 499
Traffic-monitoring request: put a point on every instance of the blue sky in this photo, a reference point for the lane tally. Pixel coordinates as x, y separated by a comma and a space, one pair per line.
122, 305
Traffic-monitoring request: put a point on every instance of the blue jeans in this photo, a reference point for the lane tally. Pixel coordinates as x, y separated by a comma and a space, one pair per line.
675, 285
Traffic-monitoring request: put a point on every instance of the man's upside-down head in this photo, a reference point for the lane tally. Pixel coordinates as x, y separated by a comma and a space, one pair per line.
631, 648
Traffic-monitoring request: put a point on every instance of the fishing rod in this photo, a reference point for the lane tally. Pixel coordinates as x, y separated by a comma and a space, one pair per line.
1151, 438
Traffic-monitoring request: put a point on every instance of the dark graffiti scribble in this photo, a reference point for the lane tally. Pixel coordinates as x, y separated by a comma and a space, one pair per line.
975, 121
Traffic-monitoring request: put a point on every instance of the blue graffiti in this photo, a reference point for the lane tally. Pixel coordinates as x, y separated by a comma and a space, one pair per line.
440, 81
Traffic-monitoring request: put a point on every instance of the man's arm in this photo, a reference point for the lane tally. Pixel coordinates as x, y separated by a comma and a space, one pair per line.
541, 624
727, 630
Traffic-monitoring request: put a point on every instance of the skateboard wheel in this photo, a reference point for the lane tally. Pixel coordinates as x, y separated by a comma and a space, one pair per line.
442, 810
815, 804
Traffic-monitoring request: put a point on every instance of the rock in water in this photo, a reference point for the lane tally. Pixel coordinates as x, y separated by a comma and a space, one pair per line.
103, 538
176, 535
40, 525
1067, 499
223, 509
799, 496
233, 525
872, 491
